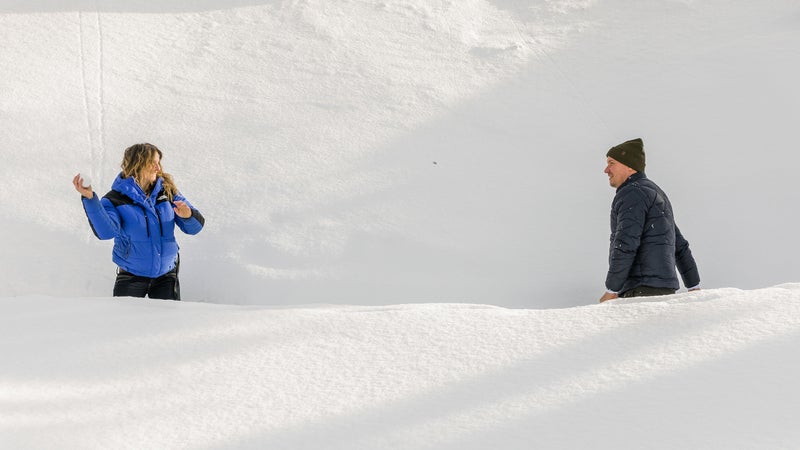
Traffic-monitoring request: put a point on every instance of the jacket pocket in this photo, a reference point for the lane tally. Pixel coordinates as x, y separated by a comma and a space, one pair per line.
122, 247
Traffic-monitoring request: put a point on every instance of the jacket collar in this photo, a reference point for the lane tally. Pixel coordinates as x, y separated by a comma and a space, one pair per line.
131, 189
632, 179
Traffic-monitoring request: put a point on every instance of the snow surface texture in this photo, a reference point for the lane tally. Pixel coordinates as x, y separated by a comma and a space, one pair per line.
710, 369
381, 153
376, 152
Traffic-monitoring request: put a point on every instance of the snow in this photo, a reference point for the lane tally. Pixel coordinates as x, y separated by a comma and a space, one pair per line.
407, 223
708, 369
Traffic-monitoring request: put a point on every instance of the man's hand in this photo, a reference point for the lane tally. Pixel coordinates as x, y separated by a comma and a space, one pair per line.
182, 210
608, 296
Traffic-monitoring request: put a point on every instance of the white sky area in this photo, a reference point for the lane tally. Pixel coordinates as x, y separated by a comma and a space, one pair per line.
406, 223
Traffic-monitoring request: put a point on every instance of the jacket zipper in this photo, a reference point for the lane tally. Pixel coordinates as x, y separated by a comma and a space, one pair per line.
160, 223
146, 222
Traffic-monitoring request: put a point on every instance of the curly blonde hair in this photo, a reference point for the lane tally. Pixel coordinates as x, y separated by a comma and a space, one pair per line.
137, 158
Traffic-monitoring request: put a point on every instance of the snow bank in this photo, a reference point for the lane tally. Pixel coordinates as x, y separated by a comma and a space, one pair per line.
713, 369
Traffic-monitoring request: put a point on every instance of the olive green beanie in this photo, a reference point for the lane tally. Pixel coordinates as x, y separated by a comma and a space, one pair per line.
630, 153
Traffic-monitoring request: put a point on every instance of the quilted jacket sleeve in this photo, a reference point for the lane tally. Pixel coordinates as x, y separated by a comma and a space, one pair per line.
103, 217
685, 261
193, 224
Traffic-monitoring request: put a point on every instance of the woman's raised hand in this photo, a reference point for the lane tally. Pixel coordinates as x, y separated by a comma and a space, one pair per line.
85, 191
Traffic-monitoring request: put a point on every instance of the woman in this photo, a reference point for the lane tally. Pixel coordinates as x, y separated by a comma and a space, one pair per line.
140, 213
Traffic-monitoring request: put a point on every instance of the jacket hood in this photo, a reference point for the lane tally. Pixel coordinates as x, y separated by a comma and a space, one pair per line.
131, 189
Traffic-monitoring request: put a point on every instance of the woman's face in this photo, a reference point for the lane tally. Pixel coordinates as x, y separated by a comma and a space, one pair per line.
151, 171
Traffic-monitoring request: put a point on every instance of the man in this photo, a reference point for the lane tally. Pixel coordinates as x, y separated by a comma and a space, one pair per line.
646, 245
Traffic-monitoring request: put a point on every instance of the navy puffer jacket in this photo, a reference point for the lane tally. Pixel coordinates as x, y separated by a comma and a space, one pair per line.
142, 226
646, 245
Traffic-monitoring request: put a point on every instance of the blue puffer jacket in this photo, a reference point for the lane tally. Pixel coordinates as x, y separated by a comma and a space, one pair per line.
143, 227
646, 245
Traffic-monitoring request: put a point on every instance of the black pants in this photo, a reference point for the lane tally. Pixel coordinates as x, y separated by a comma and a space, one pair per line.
646, 291
164, 287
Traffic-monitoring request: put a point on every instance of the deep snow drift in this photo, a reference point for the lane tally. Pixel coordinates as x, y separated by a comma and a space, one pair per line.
714, 369
376, 152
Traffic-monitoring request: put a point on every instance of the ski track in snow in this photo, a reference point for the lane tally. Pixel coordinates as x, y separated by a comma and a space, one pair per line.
91, 55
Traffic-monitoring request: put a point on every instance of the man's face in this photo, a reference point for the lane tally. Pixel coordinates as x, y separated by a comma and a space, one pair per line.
617, 172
